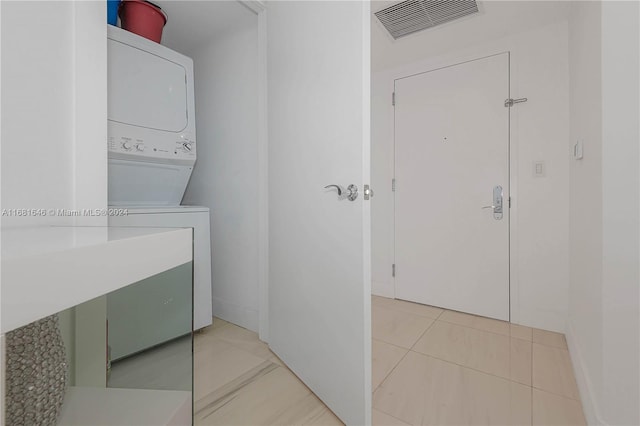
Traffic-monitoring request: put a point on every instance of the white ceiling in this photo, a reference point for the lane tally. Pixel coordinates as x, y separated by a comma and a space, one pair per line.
496, 19
193, 22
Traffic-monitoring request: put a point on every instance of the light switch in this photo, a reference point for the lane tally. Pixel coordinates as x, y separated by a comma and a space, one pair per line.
539, 169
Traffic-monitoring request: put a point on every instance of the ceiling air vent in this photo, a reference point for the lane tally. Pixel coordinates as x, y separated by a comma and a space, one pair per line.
410, 16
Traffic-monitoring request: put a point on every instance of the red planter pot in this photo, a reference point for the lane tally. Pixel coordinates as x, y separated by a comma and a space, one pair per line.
142, 18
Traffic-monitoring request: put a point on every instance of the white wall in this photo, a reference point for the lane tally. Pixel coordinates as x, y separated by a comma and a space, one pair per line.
54, 109
584, 326
225, 177
621, 212
54, 114
604, 319
540, 209
37, 108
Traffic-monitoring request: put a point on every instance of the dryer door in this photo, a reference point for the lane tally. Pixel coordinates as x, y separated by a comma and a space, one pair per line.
137, 183
146, 90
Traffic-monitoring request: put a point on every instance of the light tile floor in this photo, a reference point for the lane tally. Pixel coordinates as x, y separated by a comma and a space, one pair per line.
437, 367
430, 367
239, 381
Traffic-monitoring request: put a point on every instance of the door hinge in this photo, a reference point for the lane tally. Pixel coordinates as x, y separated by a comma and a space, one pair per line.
393, 270
509, 201
393, 185
510, 102
393, 98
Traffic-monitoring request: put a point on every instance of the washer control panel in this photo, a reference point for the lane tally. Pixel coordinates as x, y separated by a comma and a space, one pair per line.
169, 146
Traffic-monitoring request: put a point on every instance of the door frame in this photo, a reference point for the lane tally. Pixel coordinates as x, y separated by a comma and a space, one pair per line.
458, 58
259, 8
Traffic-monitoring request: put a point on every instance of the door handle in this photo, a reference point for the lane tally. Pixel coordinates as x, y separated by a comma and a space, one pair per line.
351, 193
337, 187
497, 202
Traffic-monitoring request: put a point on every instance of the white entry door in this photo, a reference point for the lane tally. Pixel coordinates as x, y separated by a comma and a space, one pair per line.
319, 245
451, 158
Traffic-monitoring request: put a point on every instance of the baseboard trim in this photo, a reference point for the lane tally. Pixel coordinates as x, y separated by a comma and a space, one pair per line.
238, 315
585, 387
382, 288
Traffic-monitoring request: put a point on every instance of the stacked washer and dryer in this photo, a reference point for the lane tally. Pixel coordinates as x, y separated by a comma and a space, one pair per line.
152, 152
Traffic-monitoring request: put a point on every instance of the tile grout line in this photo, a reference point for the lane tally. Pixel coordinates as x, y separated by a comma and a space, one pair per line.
550, 346
391, 344
486, 331
473, 368
572, 374
403, 357
502, 334
482, 329
389, 373
531, 341
451, 362
531, 372
508, 379
556, 394
392, 416
440, 314
476, 369
476, 328
544, 390
422, 335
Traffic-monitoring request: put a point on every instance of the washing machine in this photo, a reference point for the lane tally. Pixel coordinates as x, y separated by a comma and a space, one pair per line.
165, 309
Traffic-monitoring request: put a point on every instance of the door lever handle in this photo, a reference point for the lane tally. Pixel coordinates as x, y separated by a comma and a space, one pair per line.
497, 203
351, 193
336, 187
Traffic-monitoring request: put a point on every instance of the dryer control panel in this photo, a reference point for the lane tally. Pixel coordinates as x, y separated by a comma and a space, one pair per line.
136, 145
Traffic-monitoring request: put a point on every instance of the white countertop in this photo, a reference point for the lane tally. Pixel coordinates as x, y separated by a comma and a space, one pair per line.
48, 269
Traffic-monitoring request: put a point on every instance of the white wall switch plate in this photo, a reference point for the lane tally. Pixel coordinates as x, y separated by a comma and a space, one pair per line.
539, 169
